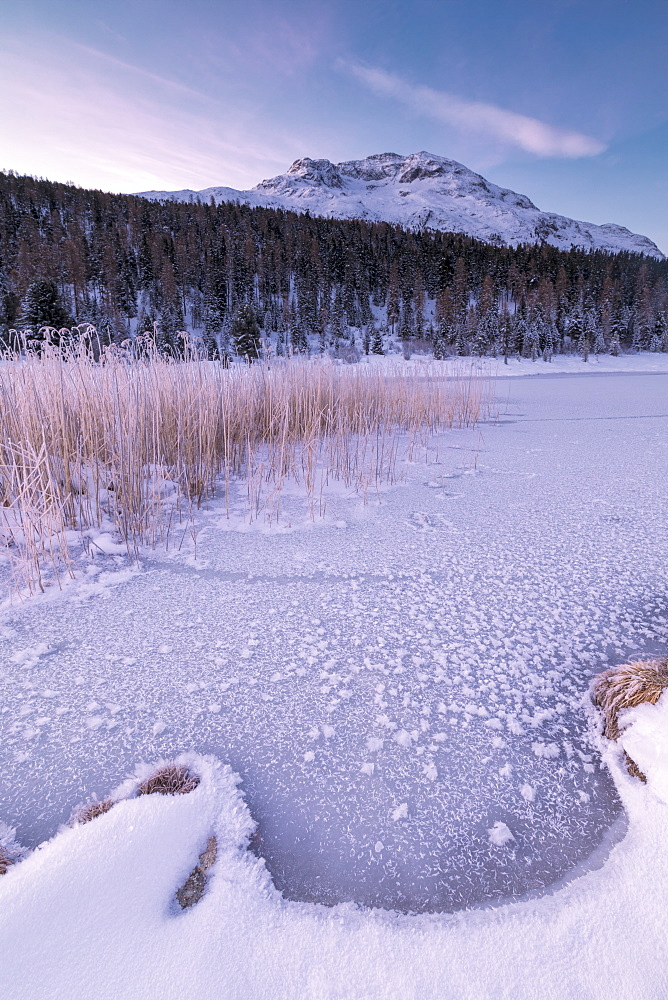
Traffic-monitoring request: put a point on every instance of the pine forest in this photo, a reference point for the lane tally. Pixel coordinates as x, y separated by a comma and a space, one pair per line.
232, 279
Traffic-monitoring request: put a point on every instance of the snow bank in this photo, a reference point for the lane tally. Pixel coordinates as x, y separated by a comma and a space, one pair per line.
93, 913
645, 740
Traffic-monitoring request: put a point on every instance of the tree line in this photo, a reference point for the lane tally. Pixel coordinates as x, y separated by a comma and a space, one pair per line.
243, 279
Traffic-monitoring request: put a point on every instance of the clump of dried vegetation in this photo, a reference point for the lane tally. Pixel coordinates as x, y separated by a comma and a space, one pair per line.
168, 779
11, 851
86, 813
91, 436
194, 887
171, 779
6, 860
627, 686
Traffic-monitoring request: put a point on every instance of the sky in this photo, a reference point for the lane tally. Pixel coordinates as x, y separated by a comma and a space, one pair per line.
565, 101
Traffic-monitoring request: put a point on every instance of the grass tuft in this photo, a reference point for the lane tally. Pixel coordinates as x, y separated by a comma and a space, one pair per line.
91, 811
6, 860
627, 686
172, 779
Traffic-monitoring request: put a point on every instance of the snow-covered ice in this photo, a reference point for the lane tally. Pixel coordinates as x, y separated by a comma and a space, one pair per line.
413, 679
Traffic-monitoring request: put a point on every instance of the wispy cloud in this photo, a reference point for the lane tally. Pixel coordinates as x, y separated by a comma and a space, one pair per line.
76, 113
509, 127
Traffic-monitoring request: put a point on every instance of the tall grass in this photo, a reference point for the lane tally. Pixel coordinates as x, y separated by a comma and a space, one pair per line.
87, 436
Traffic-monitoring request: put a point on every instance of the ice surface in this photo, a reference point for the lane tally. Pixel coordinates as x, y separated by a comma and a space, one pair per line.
389, 691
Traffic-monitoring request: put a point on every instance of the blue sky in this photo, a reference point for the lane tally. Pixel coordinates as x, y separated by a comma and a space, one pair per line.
563, 100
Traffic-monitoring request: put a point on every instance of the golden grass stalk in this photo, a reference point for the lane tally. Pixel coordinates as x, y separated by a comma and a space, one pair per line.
89, 434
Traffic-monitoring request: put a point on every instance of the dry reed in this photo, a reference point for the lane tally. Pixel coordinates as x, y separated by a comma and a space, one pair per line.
627, 686
88, 435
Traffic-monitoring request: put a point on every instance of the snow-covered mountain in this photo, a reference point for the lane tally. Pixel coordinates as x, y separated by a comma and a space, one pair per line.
420, 191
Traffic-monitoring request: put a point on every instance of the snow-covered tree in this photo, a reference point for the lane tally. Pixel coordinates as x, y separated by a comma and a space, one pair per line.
245, 333
43, 306
377, 342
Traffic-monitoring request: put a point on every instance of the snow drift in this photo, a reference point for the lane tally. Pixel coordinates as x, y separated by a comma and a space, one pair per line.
94, 911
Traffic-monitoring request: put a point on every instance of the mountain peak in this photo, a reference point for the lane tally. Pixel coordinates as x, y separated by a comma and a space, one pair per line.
421, 191
312, 171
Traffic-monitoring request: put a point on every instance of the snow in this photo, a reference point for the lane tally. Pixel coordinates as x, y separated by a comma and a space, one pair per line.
645, 740
538, 559
420, 191
93, 912
499, 834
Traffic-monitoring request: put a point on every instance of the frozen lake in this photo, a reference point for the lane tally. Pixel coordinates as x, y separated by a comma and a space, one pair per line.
392, 683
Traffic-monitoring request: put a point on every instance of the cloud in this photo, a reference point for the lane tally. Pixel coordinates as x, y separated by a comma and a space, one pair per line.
509, 127
74, 113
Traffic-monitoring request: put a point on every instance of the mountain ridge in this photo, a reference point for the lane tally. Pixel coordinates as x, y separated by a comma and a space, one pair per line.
420, 191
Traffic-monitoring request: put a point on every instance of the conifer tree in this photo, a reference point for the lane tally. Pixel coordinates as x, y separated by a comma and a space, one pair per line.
43, 306
549, 337
170, 325
418, 305
299, 340
106, 331
393, 298
576, 328
506, 334
406, 327
521, 335
245, 333
8, 303
591, 326
440, 346
615, 337
212, 322
377, 342
600, 346
661, 331
366, 339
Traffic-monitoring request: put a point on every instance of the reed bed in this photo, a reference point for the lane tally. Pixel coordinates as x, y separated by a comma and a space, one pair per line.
90, 437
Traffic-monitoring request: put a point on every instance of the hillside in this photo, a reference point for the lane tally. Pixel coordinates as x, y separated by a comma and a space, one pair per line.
130, 266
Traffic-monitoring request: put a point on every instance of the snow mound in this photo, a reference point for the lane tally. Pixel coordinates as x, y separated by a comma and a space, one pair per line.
92, 911
645, 740
420, 191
